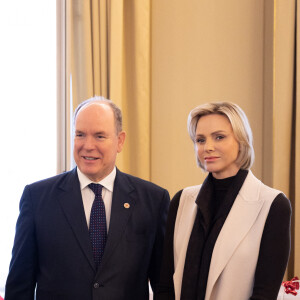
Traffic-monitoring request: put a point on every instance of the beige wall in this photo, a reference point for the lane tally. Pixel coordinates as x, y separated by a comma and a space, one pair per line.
202, 51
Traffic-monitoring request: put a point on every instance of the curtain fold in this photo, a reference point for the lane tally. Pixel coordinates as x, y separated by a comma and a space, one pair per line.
296, 142
286, 133
108, 54
130, 80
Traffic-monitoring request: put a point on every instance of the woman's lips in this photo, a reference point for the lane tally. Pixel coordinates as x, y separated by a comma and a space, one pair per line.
211, 158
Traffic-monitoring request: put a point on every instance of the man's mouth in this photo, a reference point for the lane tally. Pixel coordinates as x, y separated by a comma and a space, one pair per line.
89, 158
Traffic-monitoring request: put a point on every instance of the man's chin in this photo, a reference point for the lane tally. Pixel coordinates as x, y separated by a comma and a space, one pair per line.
96, 177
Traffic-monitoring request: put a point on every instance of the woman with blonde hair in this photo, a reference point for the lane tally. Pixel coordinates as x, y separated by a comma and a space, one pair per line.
229, 238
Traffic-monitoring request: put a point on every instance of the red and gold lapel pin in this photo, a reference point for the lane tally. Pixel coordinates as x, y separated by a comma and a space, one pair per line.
126, 205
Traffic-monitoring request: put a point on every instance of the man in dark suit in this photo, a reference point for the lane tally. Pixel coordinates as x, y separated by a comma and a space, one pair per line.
53, 252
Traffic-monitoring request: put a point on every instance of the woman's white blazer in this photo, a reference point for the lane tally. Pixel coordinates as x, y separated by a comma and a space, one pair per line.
236, 251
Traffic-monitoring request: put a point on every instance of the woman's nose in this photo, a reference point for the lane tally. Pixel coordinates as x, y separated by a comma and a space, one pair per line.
209, 145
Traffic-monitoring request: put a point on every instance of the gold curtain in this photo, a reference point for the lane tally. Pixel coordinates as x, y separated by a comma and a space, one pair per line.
108, 54
187, 53
286, 115
296, 147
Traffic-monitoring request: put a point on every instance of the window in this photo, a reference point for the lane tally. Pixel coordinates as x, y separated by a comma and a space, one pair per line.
28, 107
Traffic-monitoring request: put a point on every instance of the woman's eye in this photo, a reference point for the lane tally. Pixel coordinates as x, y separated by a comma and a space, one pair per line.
220, 137
200, 141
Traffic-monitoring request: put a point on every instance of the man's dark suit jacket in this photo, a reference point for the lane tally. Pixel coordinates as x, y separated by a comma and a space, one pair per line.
52, 249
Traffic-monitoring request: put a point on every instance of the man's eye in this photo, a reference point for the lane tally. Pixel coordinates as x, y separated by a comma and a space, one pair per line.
79, 134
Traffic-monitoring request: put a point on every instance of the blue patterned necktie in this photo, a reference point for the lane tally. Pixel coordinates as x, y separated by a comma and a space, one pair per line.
97, 230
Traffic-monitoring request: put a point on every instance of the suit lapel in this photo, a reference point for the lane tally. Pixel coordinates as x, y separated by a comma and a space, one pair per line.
123, 202
69, 197
240, 219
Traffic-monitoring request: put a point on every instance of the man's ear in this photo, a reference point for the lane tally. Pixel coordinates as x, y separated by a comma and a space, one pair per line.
121, 140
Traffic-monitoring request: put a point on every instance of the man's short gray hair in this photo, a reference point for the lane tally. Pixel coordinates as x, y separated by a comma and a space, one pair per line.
100, 99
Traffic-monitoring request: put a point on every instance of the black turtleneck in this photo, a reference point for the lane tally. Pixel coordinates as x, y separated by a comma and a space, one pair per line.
220, 187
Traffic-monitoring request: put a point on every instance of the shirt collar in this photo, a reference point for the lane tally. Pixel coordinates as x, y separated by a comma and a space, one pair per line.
107, 182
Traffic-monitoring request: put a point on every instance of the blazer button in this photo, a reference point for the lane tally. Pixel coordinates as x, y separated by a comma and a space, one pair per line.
96, 285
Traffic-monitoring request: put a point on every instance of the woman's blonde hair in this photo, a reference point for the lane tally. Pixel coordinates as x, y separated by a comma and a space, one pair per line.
240, 127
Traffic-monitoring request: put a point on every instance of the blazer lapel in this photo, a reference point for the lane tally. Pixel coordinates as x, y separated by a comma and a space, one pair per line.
185, 219
240, 219
70, 199
123, 203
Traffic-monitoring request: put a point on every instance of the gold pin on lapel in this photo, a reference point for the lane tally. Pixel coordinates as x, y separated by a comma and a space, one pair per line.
126, 205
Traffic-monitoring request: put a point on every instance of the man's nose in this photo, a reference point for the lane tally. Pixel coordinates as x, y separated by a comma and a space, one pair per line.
89, 143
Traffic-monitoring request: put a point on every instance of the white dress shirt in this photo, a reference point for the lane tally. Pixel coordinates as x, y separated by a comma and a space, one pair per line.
88, 195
